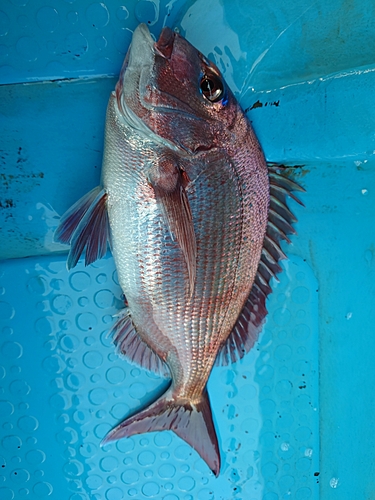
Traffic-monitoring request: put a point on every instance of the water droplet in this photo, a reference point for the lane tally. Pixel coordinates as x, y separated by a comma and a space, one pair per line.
150, 489
6, 408
163, 439
137, 391
20, 476
98, 396
104, 299
303, 434
186, 483
109, 464
74, 381
11, 350
59, 401
283, 352
301, 332
303, 494
115, 375
11, 443
44, 326
300, 295
125, 445
47, 19
114, 494
182, 452
35, 457
28, 424
73, 468
42, 489
146, 458
76, 44
303, 464
145, 12
92, 359
80, 281
97, 15
72, 17
101, 42
94, 482
19, 388
83, 301
130, 476
265, 372
6, 311
167, 471
69, 343
38, 285
88, 450
119, 410
282, 316
101, 278
86, 321
5, 23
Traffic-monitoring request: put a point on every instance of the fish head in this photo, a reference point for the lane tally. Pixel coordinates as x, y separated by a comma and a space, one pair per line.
175, 91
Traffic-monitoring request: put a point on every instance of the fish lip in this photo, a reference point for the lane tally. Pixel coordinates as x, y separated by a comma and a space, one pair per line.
141, 46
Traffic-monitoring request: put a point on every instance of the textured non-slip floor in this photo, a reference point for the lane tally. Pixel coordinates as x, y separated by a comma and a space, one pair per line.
64, 387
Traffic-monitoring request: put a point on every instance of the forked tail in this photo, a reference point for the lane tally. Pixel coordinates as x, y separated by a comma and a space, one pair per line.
191, 421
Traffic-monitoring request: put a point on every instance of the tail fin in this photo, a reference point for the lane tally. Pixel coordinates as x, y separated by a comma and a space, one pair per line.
191, 421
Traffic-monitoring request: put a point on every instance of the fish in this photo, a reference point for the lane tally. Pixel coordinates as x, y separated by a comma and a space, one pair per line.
194, 217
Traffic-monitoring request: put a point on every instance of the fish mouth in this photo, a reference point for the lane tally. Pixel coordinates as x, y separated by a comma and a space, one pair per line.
140, 53
143, 48
136, 71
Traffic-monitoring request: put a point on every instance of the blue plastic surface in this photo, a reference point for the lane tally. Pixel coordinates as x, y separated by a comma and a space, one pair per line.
295, 416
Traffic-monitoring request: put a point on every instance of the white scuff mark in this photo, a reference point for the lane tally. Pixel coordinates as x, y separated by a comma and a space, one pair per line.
50, 218
364, 192
260, 58
349, 315
334, 482
326, 78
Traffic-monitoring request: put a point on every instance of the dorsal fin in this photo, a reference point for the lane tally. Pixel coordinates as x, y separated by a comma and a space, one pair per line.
130, 345
253, 314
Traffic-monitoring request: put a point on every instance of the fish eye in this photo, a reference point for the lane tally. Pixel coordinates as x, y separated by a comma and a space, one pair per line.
212, 88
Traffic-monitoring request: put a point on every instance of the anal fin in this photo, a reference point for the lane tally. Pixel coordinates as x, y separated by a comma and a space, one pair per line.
130, 345
249, 323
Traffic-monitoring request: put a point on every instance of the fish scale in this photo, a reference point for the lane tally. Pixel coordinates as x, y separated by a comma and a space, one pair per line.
184, 201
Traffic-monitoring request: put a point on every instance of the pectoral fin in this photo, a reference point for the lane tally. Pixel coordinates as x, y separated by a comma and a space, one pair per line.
85, 226
169, 182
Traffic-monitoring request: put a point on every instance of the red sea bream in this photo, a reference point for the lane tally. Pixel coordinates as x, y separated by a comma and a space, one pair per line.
194, 218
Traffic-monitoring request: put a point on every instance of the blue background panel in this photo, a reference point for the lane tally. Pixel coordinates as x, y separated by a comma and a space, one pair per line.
64, 387
295, 416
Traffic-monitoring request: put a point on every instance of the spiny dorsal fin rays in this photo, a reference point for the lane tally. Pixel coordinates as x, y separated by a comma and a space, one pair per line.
280, 220
169, 183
